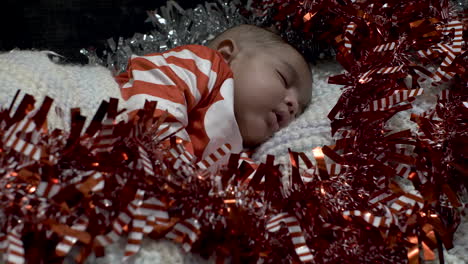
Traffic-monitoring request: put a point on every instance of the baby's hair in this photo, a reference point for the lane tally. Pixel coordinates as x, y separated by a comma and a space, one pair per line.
253, 36
250, 35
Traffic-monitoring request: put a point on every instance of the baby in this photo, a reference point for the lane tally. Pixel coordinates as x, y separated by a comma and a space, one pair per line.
246, 85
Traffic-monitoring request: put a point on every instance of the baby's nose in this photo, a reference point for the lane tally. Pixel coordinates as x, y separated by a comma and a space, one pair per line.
293, 107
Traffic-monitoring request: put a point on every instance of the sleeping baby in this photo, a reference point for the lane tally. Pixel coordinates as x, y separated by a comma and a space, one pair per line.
246, 85
239, 90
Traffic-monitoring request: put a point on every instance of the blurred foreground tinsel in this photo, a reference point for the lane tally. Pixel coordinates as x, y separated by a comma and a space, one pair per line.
376, 196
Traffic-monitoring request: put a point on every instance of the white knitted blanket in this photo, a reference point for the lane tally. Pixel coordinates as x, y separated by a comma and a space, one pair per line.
86, 86
69, 85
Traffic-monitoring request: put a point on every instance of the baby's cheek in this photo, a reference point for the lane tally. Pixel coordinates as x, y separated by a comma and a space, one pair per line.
253, 132
262, 132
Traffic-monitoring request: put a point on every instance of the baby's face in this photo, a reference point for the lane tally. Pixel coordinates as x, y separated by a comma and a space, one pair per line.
272, 87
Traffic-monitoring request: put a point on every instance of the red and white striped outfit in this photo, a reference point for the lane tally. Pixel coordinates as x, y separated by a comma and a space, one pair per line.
195, 85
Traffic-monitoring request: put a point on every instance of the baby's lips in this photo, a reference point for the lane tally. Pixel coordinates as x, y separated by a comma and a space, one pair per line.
273, 121
283, 118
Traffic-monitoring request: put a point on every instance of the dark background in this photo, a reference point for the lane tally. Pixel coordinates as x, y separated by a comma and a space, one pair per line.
66, 26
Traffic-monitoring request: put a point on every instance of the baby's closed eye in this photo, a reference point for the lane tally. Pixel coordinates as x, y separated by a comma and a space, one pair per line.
283, 78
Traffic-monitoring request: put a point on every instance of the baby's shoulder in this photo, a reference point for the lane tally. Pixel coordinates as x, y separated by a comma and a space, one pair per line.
199, 51
206, 59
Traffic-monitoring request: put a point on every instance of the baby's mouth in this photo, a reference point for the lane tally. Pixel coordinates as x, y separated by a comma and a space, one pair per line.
281, 118
274, 121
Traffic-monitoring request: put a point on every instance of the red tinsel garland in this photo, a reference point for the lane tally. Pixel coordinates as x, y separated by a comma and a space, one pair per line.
89, 187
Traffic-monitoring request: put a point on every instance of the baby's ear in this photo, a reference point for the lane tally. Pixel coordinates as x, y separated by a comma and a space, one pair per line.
228, 49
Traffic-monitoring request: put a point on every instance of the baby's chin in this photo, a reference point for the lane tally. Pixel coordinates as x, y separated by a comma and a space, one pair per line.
252, 138
254, 131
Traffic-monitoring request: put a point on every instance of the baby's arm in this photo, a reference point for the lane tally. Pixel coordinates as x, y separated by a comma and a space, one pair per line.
180, 80
150, 78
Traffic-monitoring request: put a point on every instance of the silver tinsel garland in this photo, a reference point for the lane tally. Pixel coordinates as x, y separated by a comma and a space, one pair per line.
173, 26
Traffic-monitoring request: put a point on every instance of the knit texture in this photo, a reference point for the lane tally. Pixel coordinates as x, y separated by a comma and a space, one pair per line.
70, 86
86, 86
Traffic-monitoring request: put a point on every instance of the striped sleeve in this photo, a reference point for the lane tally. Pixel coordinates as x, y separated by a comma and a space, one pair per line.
179, 80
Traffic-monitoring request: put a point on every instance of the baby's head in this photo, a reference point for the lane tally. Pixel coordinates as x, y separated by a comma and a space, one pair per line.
272, 81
